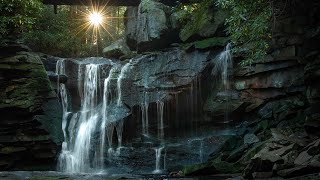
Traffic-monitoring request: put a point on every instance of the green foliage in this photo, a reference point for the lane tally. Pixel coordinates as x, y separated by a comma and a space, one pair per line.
54, 34
64, 34
248, 26
193, 17
17, 16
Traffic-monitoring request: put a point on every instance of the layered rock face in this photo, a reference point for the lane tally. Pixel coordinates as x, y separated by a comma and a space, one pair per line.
275, 100
30, 125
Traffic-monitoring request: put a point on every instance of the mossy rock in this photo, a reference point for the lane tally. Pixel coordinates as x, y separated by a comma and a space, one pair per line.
204, 22
217, 166
27, 85
224, 167
198, 169
211, 42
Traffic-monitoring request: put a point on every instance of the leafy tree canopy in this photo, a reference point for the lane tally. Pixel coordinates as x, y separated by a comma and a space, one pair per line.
17, 16
248, 26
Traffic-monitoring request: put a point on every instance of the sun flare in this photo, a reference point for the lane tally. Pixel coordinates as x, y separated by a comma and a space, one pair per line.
95, 18
96, 21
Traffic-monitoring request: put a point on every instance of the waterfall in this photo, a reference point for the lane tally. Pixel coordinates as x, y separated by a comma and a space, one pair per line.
222, 64
158, 160
88, 121
145, 114
76, 151
201, 158
90, 90
61, 90
64, 101
106, 126
160, 106
143, 118
60, 70
146, 108
80, 92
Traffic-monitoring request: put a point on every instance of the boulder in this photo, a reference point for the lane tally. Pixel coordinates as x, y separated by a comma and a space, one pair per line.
160, 75
305, 157
26, 94
205, 24
148, 27
250, 139
281, 108
266, 158
116, 49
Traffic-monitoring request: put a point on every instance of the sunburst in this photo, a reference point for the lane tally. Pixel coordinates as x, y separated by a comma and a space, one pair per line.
95, 20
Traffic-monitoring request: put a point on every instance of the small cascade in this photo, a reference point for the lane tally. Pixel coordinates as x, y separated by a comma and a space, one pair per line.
104, 119
61, 90
119, 128
145, 118
65, 113
124, 70
222, 65
60, 70
145, 114
201, 158
160, 106
80, 90
143, 122
222, 68
106, 125
158, 152
146, 108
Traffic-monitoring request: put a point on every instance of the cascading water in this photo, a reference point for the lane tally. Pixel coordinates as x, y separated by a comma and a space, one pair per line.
201, 151
158, 160
223, 65
145, 117
61, 90
106, 125
160, 106
75, 155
